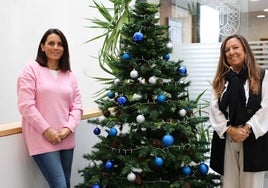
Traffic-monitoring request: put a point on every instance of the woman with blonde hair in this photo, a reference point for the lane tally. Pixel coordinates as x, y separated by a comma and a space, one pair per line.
237, 111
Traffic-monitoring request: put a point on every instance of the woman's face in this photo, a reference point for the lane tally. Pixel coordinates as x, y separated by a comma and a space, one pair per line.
235, 54
53, 48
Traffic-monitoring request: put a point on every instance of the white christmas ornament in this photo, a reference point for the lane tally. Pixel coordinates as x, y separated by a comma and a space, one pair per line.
152, 80
131, 177
101, 118
134, 74
140, 118
182, 112
169, 45
92, 164
116, 81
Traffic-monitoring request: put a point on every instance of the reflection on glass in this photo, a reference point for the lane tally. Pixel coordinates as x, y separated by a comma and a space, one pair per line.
209, 24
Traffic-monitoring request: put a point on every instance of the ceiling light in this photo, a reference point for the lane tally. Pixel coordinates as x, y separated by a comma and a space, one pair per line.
265, 10
261, 16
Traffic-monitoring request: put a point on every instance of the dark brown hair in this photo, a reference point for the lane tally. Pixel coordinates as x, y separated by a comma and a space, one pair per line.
64, 62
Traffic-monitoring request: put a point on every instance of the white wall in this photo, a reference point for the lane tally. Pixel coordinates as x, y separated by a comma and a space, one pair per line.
18, 169
22, 25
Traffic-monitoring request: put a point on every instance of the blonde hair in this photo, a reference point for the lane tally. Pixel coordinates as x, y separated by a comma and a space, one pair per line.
223, 67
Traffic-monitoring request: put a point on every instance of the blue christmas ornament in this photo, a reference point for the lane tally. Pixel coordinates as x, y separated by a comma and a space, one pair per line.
96, 185
97, 131
111, 94
166, 57
186, 170
158, 161
109, 165
138, 37
168, 140
203, 168
122, 100
126, 56
112, 131
161, 98
182, 70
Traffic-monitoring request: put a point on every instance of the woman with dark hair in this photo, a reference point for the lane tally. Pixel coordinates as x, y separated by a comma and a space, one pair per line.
50, 104
237, 113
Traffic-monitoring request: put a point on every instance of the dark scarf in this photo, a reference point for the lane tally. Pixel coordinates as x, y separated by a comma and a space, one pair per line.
234, 97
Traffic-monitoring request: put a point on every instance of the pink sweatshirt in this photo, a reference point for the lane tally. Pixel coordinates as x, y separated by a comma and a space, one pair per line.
46, 100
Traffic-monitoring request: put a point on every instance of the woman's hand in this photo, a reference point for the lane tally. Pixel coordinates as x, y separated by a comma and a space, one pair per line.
238, 134
52, 136
64, 132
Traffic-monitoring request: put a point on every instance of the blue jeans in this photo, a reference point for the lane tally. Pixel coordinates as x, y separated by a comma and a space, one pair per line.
56, 167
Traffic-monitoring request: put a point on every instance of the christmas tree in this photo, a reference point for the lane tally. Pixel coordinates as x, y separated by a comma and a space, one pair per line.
154, 135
